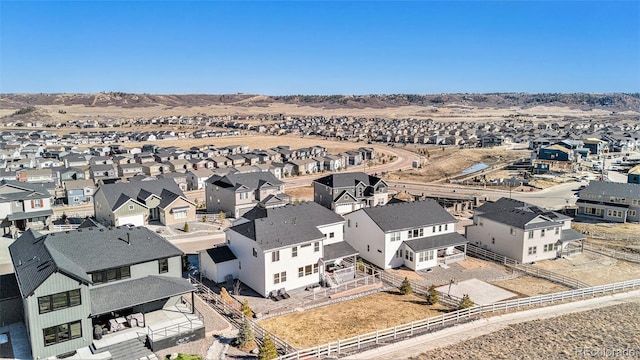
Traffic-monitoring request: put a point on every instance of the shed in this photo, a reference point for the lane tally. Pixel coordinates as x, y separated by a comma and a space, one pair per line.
218, 263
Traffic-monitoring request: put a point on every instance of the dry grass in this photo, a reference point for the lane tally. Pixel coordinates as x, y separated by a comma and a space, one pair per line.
593, 269
303, 193
330, 323
440, 164
530, 286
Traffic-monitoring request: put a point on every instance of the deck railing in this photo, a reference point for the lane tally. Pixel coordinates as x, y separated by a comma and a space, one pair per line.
616, 254
187, 325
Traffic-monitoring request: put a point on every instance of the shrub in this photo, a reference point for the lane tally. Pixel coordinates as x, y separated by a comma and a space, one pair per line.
405, 288
246, 339
246, 309
361, 266
465, 302
204, 218
186, 227
226, 298
268, 349
188, 357
222, 215
432, 295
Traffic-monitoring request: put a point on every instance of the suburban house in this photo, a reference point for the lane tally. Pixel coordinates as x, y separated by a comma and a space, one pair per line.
237, 193
127, 170
522, 231
80, 285
24, 205
196, 178
139, 202
609, 201
283, 248
79, 191
633, 176
418, 235
348, 192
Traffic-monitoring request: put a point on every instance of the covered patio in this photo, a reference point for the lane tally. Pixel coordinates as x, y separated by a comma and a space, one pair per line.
338, 263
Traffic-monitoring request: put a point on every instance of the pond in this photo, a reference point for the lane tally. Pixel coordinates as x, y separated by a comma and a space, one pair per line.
474, 168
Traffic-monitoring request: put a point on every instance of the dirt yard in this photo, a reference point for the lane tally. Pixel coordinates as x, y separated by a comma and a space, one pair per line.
594, 269
330, 323
304, 193
573, 336
440, 164
529, 286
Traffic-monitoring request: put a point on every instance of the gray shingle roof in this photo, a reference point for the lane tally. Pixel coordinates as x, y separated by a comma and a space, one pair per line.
347, 179
338, 250
436, 242
604, 188
408, 215
286, 225
571, 235
23, 191
520, 219
113, 192
220, 254
76, 253
504, 205
126, 294
252, 180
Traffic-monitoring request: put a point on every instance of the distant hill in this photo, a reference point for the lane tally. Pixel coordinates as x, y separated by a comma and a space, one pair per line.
611, 102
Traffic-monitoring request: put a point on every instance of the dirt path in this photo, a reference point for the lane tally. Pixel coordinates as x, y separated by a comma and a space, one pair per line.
582, 326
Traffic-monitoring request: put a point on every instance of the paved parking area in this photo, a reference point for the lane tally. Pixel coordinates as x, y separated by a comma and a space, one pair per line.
479, 291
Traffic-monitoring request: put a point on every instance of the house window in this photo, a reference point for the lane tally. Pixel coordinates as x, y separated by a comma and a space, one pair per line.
180, 215
275, 256
279, 277
434, 229
332, 235
512, 231
395, 236
294, 251
530, 234
315, 268
255, 252
163, 266
316, 246
557, 230
532, 250
446, 226
61, 333
307, 270
548, 247
244, 195
36, 203
425, 256
348, 222
493, 240
368, 248
130, 207
109, 275
300, 272
59, 301
439, 227
632, 213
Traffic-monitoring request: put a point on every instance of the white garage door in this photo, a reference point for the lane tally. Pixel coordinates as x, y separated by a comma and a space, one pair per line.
137, 220
343, 209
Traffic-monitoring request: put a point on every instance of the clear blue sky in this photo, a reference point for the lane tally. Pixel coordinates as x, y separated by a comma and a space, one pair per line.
306, 47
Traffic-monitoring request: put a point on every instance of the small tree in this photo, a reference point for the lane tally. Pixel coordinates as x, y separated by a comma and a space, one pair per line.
222, 215
226, 298
465, 302
405, 288
186, 227
204, 218
246, 339
64, 218
361, 266
268, 349
432, 295
246, 309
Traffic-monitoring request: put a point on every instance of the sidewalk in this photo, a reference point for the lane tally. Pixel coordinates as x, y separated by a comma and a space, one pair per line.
452, 335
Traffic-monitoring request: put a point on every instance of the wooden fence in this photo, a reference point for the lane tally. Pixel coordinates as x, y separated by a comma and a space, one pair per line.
397, 333
420, 290
480, 253
617, 254
237, 318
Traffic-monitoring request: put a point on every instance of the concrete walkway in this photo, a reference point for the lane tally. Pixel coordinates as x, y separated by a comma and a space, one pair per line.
452, 335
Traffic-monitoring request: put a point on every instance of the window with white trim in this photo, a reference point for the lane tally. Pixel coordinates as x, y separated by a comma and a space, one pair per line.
395, 236
275, 256
532, 250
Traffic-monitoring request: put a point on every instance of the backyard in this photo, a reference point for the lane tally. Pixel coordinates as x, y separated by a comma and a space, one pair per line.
343, 320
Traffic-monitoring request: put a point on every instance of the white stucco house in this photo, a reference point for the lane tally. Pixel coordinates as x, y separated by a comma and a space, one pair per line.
418, 235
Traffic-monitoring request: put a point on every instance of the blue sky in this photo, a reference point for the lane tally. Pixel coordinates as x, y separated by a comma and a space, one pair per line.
307, 47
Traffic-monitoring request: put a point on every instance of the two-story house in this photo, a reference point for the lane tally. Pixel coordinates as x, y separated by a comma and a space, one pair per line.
237, 193
196, 179
418, 235
139, 202
24, 205
79, 192
610, 201
521, 231
348, 192
286, 248
75, 281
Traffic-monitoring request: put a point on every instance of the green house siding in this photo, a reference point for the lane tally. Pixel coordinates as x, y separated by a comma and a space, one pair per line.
125, 209
36, 322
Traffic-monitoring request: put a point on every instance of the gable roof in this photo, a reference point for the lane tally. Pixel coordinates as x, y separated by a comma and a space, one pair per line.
436, 242
504, 205
605, 188
408, 215
286, 225
77, 253
119, 193
520, 219
23, 191
348, 179
251, 180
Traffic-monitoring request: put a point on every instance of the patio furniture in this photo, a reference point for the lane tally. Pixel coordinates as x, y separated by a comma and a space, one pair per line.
137, 319
114, 325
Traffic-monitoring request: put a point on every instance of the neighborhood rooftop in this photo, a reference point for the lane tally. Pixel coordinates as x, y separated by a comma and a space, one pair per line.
399, 216
347, 179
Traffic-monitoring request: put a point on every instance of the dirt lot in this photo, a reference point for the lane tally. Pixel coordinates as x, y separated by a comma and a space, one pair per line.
329, 323
300, 193
594, 269
529, 286
441, 164
564, 337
